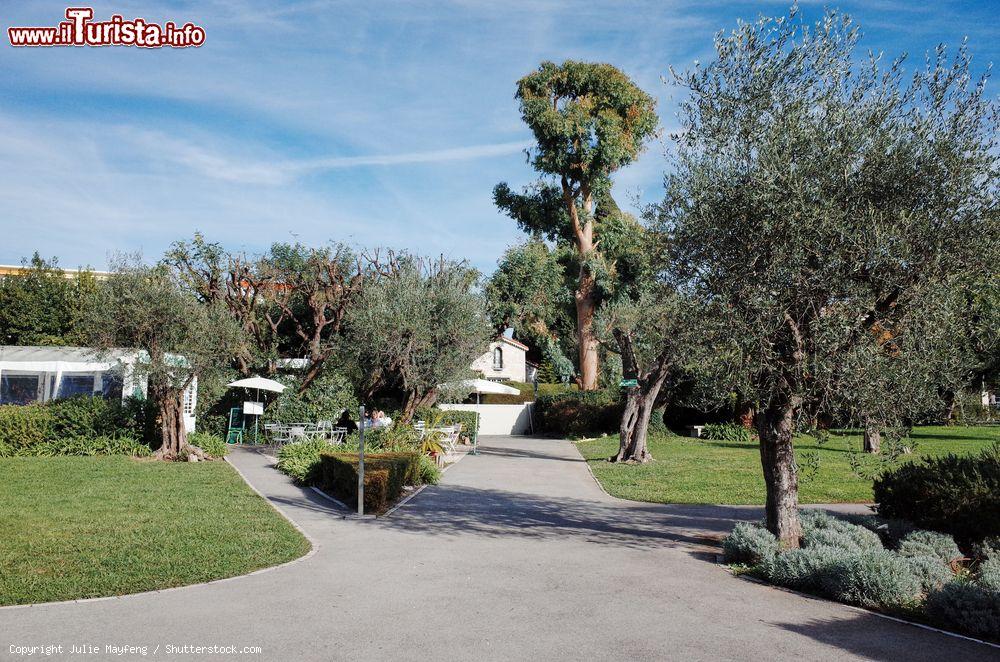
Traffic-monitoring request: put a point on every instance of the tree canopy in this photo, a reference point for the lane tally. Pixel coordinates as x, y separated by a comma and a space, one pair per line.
825, 203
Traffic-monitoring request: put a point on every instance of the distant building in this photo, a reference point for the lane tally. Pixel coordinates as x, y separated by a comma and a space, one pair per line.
505, 361
20, 270
31, 375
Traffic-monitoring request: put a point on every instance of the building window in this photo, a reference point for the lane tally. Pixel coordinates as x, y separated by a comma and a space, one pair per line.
189, 401
498, 359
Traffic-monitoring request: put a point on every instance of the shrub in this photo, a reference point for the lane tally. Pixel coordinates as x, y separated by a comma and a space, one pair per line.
301, 460
24, 426
429, 472
804, 569
339, 476
820, 529
727, 432
211, 444
929, 543
99, 445
956, 495
751, 544
988, 574
968, 607
930, 571
579, 413
891, 531
873, 579
325, 399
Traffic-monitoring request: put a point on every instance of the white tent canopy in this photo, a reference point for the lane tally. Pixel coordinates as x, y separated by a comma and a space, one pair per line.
479, 386
258, 384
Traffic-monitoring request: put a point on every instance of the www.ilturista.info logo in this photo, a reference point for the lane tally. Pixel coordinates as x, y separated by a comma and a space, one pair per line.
80, 30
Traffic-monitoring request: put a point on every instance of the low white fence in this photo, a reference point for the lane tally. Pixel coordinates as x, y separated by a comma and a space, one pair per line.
499, 419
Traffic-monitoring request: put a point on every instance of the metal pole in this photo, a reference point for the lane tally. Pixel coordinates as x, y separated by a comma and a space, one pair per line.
475, 430
361, 461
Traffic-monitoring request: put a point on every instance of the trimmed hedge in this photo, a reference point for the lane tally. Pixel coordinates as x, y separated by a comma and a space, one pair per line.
390, 472
952, 494
579, 413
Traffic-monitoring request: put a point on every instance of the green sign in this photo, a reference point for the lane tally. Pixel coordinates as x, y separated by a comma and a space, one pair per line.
629, 382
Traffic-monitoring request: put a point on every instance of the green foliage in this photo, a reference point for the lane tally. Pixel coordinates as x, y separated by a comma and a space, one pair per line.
42, 306
529, 291
588, 119
430, 474
929, 543
872, 579
579, 413
967, 607
75, 426
930, 571
820, 529
324, 400
24, 427
727, 432
389, 472
953, 494
417, 326
98, 445
300, 460
212, 444
988, 573
805, 569
750, 544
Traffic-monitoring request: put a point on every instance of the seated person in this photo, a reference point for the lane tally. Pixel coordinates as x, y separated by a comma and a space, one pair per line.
345, 421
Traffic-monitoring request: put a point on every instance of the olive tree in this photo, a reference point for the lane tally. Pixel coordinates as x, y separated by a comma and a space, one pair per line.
179, 337
818, 199
589, 120
415, 325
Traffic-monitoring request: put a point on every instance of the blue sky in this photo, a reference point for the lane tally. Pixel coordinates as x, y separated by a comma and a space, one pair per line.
376, 123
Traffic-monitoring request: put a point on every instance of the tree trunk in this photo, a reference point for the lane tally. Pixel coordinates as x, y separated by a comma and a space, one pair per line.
586, 305
586, 339
640, 401
777, 457
415, 401
172, 430
873, 439
634, 428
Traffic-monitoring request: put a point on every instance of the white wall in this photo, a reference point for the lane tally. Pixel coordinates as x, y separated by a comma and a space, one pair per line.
499, 419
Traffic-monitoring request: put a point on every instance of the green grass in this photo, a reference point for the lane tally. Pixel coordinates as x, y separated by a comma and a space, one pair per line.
81, 527
688, 470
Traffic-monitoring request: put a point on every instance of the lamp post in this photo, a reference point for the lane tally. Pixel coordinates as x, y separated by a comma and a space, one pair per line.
361, 461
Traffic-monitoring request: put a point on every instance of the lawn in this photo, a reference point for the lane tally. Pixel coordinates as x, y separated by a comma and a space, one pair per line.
687, 470
79, 527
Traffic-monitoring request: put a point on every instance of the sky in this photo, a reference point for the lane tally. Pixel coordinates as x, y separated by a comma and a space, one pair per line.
373, 123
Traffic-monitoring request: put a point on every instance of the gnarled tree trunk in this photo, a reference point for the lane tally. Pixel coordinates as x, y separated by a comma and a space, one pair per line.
172, 432
639, 403
414, 401
777, 457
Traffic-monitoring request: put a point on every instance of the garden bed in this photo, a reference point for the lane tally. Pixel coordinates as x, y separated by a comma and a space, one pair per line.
884, 565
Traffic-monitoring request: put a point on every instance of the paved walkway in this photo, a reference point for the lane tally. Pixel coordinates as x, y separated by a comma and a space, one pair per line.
517, 555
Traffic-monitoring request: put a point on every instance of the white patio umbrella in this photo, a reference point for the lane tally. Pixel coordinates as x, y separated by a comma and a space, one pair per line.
478, 386
257, 384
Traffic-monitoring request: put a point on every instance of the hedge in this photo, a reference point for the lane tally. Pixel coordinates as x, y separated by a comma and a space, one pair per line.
953, 494
40, 428
388, 473
579, 413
